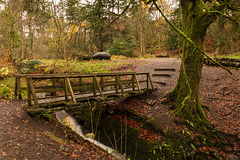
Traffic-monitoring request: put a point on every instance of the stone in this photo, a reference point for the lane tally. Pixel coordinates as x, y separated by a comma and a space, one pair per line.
90, 135
102, 55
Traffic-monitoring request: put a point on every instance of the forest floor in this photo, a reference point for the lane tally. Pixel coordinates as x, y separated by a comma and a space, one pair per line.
26, 137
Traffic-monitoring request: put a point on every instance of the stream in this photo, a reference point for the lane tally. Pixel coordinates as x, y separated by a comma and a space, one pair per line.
67, 120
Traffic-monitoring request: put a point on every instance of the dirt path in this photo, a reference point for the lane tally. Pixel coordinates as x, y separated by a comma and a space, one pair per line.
219, 90
25, 137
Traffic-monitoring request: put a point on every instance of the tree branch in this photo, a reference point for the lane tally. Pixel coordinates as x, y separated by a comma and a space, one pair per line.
188, 39
114, 19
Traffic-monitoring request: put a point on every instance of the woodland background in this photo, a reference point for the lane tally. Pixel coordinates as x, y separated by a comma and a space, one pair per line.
71, 29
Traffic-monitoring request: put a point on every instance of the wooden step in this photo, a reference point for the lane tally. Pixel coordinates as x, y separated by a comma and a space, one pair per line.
162, 75
165, 69
162, 83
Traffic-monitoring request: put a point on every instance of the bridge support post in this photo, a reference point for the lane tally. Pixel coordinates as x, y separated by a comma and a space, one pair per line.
66, 89
28, 92
116, 83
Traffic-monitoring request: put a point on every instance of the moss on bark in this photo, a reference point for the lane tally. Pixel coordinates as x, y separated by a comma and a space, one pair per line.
185, 94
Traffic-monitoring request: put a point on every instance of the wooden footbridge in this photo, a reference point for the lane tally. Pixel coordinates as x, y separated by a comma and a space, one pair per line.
49, 89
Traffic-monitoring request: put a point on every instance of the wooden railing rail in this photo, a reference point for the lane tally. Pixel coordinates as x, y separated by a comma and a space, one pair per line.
80, 86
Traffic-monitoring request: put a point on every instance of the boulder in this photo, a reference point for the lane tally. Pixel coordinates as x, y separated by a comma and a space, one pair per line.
102, 55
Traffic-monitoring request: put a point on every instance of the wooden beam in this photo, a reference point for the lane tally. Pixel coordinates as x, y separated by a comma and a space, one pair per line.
99, 87
116, 83
138, 86
120, 84
16, 91
66, 89
35, 99
133, 82
29, 94
162, 75
101, 83
53, 84
150, 80
94, 86
71, 90
163, 83
80, 84
165, 69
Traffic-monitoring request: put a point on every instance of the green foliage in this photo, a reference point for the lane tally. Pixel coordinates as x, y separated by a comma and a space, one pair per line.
47, 114
93, 66
28, 66
234, 56
6, 88
121, 47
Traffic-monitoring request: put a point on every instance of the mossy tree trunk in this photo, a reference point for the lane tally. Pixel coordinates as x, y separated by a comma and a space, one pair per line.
185, 94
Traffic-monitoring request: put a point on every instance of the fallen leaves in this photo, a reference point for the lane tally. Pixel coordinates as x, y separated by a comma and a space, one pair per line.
144, 133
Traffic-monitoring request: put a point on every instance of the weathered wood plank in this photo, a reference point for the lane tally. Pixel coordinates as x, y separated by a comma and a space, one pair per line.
99, 87
29, 92
66, 89
71, 90
138, 86
163, 83
35, 99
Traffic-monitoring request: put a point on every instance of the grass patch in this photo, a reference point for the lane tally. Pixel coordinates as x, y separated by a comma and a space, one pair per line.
233, 56
92, 66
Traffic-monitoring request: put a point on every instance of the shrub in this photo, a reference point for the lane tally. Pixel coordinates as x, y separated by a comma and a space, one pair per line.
121, 47
6, 88
28, 66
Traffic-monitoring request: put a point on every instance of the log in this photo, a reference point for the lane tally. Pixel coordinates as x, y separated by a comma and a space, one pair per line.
37, 111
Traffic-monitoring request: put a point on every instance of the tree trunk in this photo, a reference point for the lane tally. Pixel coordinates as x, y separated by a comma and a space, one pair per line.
185, 94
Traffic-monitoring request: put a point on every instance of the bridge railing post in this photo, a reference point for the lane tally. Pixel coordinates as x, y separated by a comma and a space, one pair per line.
133, 82
101, 83
17, 94
66, 89
29, 92
116, 83
53, 84
150, 81
138, 86
94, 86
120, 84
80, 84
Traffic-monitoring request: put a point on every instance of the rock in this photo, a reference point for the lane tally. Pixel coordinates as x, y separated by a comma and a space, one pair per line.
165, 101
150, 102
90, 135
102, 55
